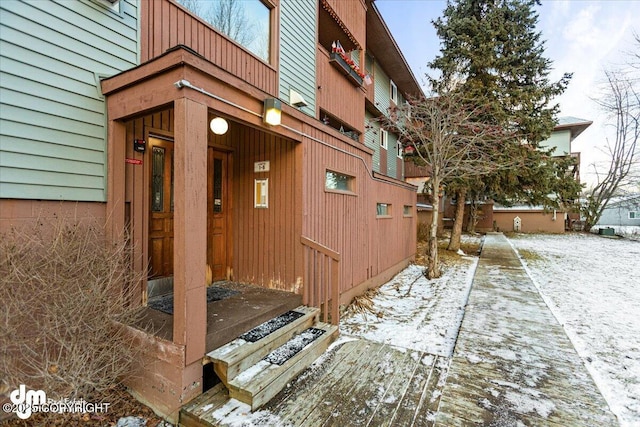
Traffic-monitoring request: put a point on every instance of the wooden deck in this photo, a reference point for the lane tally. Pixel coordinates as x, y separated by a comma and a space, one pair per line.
358, 384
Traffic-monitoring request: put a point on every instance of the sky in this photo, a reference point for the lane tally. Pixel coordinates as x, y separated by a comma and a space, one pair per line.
581, 37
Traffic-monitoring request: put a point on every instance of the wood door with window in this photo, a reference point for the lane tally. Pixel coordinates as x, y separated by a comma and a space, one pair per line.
218, 207
161, 208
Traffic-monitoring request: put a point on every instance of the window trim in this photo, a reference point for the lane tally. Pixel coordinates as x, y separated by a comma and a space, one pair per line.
352, 183
404, 211
633, 215
399, 149
393, 92
384, 139
388, 214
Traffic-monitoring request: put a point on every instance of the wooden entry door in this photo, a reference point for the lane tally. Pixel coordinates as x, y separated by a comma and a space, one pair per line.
161, 208
218, 217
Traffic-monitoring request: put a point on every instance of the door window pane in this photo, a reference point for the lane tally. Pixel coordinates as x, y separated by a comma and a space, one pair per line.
157, 180
217, 185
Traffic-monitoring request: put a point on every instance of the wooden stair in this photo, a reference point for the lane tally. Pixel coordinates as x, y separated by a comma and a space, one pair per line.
254, 372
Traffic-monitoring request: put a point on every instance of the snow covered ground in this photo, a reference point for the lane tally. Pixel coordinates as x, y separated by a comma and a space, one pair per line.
415, 313
592, 285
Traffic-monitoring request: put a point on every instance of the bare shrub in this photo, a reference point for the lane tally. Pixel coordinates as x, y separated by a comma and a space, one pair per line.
423, 232
65, 293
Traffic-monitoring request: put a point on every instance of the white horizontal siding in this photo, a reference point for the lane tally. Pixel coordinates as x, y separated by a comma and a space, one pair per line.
52, 114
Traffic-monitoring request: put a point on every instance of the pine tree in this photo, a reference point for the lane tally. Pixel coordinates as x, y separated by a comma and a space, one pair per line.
491, 52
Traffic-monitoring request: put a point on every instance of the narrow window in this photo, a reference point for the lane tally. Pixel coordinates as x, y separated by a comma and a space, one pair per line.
157, 180
399, 149
261, 195
393, 92
634, 215
338, 181
406, 211
383, 138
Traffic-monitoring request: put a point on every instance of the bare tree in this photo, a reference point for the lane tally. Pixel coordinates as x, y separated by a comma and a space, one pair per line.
446, 137
229, 16
622, 102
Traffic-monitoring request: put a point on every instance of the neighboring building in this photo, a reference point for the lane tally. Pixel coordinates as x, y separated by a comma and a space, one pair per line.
532, 219
516, 218
621, 212
105, 114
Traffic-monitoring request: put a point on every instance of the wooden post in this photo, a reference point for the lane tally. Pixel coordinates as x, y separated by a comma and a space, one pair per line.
190, 225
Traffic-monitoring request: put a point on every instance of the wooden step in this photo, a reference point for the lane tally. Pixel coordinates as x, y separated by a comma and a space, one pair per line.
238, 355
262, 381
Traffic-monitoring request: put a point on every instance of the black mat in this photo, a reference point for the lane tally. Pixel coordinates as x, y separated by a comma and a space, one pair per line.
270, 326
214, 293
285, 352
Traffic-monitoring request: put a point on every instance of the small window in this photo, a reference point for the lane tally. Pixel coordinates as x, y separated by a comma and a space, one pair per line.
338, 181
399, 149
383, 209
393, 92
634, 215
407, 210
384, 139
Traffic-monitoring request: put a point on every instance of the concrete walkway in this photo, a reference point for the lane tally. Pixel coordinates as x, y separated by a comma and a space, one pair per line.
513, 363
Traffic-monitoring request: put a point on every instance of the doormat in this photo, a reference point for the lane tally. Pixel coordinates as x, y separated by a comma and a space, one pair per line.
285, 352
214, 293
270, 326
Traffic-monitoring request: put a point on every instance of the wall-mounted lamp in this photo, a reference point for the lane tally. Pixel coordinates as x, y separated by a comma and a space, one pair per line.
219, 126
272, 111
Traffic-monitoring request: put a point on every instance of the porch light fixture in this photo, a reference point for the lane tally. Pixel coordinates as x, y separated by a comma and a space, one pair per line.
272, 111
219, 126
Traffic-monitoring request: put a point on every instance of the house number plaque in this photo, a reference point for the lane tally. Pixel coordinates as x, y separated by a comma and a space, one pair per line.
261, 166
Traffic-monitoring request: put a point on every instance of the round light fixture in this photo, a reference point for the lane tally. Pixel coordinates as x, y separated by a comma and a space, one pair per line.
219, 126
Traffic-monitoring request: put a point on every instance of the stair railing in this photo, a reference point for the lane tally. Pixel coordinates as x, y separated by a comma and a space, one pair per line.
322, 279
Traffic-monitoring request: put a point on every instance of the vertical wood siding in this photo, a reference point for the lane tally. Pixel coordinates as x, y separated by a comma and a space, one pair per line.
165, 24
353, 14
337, 94
266, 242
347, 223
297, 51
52, 54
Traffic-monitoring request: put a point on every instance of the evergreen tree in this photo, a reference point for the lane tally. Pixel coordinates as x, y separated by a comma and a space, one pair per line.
492, 53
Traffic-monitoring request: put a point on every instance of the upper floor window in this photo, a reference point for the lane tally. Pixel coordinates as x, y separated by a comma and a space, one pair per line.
245, 21
399, 149
384, 139
393, 92
634, 215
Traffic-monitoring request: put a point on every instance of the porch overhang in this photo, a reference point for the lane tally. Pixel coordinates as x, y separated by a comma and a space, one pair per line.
151, 86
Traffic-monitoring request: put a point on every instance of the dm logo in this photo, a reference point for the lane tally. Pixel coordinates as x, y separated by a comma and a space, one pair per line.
26, 400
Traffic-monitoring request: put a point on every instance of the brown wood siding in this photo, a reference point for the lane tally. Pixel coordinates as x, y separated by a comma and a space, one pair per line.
165, 24
347, 223
353, 14
266, 242
136, 191
337, 94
